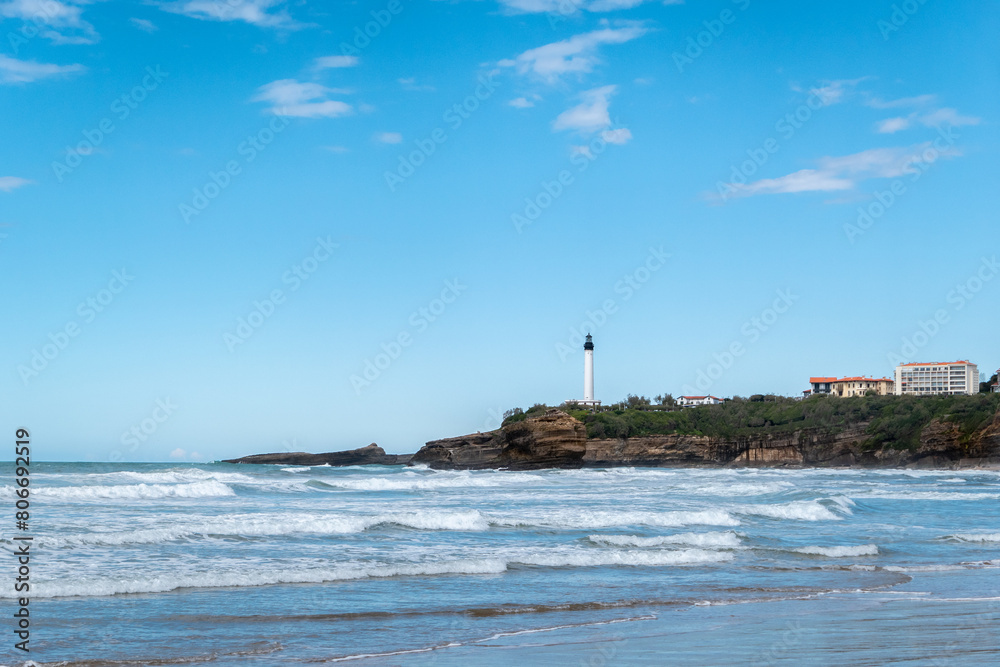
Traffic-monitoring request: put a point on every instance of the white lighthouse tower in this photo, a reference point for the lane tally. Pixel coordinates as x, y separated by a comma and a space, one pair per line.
588, 370
588, 375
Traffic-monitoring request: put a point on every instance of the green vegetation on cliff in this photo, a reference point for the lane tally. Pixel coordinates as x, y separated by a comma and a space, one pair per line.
893, 421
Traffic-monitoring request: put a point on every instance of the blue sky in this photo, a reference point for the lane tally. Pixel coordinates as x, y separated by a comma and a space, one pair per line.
217, 216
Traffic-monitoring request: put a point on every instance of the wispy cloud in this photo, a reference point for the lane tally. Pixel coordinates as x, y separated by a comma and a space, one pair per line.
937, 118
389, 138
591, 115
837, 91
620, 136
254, 12
143, 24
842, 172
64, 22
567, 7
410, 83
919, 100
26, 71
11, 183
578, 54
289, 97
331, 62
521, 103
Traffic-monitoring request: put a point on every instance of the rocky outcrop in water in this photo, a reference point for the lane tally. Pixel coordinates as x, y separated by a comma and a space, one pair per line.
551, 440
370, 455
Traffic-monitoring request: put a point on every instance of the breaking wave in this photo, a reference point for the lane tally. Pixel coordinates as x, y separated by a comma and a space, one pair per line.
840, 552
705, 540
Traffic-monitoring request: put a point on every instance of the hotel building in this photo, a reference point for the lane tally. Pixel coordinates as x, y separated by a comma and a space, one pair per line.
959, 377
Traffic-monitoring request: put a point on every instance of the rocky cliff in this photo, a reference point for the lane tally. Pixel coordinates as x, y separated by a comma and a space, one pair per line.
370, 455
556, 439
551, 440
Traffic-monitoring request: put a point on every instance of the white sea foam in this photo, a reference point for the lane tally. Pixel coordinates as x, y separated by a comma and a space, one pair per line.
801, 510
926, 495
973, 537
173, 476
591, 519
297, 469
738, 489
923, 568
205, 489
594, 558
706, 540
409, 481
271, 525
840, 552
161, 582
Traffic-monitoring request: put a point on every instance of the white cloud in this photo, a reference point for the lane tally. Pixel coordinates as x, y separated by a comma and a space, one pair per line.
26, 71
410, 83
521, 103
919, 100
891, 125
834, 92
843, 172
618, 136
946, 116
11, 183
178, 454
590, 115
805, 180
143, 24
336, 149
578, 54
254, 12
329, 62
389, 138
568, 7
65, 21
289, 97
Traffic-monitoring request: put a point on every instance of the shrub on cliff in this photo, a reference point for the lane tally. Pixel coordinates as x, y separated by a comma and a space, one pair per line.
893, 420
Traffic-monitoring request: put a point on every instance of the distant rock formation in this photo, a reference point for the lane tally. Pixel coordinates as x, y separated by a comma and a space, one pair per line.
370, 455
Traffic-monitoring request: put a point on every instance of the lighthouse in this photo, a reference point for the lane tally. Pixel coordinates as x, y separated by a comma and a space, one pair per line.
588, 377
588, 370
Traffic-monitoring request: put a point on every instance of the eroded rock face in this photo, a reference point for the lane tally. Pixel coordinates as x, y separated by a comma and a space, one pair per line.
553, 439
480, 450
370, 455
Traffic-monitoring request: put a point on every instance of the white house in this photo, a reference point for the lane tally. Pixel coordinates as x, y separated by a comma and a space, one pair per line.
692, 401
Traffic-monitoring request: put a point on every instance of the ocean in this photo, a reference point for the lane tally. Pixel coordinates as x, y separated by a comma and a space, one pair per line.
220, 564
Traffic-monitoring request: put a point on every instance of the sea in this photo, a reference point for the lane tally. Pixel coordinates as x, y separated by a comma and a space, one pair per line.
226, 565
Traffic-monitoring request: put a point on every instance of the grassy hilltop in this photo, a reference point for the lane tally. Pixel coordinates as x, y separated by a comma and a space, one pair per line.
894, 422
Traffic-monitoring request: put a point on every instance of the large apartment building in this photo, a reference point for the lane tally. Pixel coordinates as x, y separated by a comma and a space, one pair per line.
959, 377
